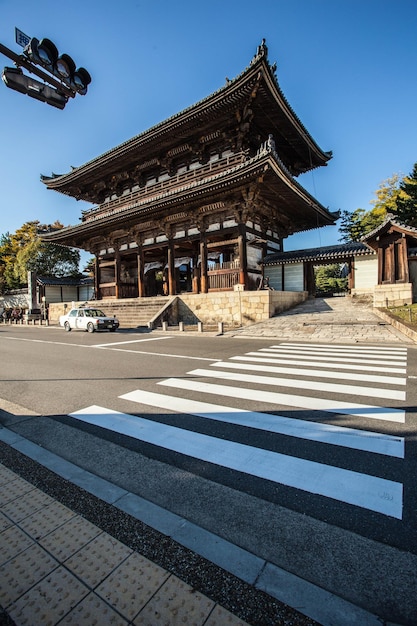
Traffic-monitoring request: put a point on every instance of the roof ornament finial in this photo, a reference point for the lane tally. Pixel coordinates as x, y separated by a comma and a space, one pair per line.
261, 51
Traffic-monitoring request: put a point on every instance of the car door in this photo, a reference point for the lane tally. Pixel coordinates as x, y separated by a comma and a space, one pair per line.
80, 320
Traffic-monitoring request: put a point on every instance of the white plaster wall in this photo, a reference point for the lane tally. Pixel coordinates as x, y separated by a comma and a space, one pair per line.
294, 277
274, 273
366, 273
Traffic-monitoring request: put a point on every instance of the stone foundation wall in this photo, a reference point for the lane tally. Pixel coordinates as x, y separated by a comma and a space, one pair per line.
234, 308
393, 295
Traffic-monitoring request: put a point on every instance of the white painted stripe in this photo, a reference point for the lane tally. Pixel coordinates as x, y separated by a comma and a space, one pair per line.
328, 359
363, 440
305, 402
368, 492
343, 346
124, 343
159, 354
376, 392
361, 358
340, 366
273, 369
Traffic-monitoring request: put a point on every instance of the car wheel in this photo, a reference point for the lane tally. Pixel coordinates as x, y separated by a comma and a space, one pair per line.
90, 327
112, 330
67, 326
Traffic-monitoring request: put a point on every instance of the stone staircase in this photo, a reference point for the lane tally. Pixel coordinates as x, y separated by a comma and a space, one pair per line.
135, 312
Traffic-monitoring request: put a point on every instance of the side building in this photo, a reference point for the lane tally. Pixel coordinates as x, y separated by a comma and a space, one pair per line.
195, 203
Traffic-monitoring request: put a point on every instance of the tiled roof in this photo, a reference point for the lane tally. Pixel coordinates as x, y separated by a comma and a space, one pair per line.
390, 221
325, 253
67, 281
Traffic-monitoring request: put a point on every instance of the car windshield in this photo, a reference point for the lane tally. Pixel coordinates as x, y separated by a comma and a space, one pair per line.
94, 313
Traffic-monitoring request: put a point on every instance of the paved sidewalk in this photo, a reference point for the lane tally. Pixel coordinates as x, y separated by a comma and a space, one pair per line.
326, 320
68, 557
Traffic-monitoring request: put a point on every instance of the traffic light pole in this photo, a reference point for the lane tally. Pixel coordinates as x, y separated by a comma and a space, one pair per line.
22, 61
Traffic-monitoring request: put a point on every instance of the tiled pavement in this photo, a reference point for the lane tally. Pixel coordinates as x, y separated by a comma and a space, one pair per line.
58, 566
327, 320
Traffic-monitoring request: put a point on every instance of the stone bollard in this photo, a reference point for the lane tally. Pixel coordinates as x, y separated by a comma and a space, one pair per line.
164, 326
181, 327
200, 327
220, 327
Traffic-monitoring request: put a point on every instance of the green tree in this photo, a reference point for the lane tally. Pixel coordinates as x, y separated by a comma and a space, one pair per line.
356, 224
407, 200
24, 251
330, 279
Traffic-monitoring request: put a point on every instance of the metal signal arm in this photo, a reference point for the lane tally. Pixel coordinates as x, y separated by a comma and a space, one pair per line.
22, 61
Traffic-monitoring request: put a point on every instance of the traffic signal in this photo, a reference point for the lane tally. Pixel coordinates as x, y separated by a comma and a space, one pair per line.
45, 53
14, 78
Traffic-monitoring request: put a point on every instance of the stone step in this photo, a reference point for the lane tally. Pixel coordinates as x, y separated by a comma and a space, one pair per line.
132, 314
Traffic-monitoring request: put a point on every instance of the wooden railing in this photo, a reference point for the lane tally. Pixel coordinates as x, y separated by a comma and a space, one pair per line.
222, 279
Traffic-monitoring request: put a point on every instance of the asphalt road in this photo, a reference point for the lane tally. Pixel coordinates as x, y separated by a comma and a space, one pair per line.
200, 426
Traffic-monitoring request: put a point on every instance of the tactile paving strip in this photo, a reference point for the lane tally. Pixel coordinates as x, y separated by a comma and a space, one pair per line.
21, 573
131, 585
70, 537
48, 601
22, 507
176, 603
6, 476
15, 489
12, 542
93, 611
46, 520
97, 559
4, 522
36, 589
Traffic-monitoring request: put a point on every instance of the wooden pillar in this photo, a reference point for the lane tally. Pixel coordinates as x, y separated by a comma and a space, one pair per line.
204, 285
351, 275
243, 257
141, 272
172, 290
403, 260
381, 264
195, 281
97, 281
117, 273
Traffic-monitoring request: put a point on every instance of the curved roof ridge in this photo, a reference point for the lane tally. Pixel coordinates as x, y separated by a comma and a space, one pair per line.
260, 58
390, 219
322, 253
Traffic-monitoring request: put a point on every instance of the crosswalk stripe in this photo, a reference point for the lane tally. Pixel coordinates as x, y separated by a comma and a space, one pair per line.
328, 359
356, 348
363, 440
369, 492
376, 392
275, 369
343, 356
317, 404
315, 363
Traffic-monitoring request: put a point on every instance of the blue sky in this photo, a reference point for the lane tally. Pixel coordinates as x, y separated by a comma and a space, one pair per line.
347, 68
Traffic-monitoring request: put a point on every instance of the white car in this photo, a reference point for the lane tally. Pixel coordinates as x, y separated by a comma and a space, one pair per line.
89, 319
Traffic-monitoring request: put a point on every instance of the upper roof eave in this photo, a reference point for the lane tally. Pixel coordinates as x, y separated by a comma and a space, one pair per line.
258, 64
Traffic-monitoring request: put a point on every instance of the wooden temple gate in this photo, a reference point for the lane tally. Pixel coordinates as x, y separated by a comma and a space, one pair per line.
194, 203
